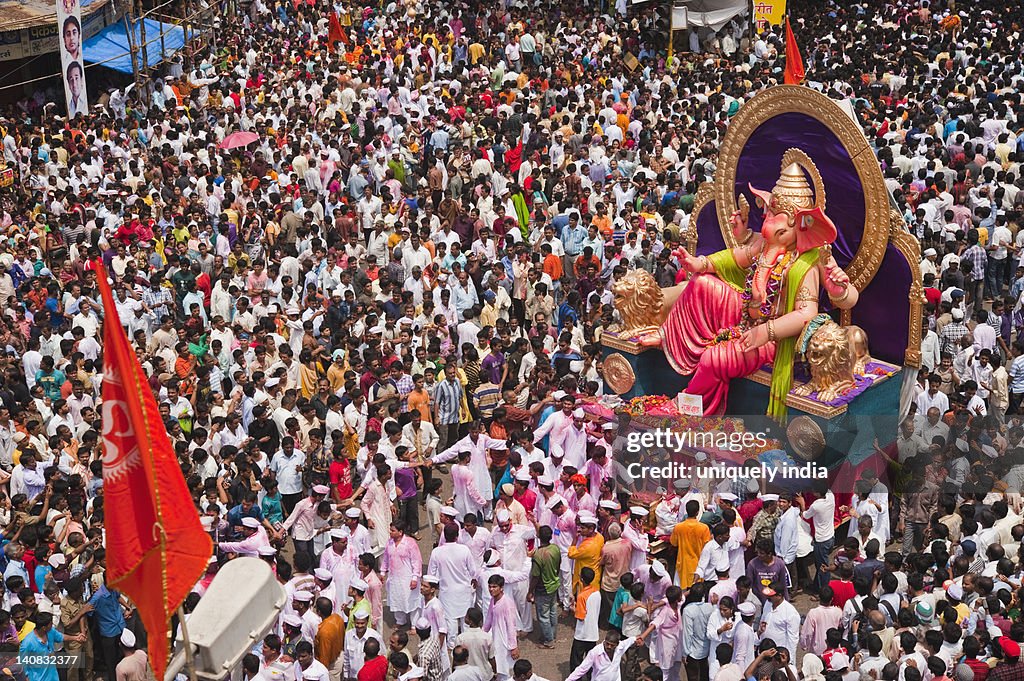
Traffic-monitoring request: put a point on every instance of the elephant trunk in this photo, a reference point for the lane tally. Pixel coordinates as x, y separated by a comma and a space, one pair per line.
759, 284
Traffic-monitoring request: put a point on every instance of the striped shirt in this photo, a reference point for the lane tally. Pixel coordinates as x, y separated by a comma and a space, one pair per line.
1017, 375
977, 257
572, 239
487, 397
153, 298
448, 401
951, 335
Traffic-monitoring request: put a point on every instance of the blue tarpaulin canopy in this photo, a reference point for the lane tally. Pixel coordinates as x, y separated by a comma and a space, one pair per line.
110, 46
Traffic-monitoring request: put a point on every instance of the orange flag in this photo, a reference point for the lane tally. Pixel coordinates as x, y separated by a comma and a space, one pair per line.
335, 33
794, 64
156, 548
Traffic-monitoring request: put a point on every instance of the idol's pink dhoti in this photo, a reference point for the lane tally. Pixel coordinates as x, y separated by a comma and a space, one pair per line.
707, 306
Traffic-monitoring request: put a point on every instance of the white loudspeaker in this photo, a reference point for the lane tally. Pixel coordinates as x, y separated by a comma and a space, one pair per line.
239, 608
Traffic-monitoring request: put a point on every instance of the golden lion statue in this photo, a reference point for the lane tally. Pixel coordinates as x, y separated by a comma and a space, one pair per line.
638, 298
858, 339
831, 355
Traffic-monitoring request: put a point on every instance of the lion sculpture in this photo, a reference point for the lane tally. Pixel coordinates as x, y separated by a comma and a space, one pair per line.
859, 346
831, 357
639, 299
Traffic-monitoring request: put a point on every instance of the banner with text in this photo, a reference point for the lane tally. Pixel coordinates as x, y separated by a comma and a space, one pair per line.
69, 23
767, 13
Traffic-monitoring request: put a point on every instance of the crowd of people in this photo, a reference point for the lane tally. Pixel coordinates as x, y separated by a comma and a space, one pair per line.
372, 333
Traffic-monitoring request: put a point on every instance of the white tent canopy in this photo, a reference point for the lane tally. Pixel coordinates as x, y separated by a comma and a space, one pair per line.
713, 14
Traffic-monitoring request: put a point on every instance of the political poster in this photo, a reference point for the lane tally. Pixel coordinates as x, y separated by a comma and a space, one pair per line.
69, 25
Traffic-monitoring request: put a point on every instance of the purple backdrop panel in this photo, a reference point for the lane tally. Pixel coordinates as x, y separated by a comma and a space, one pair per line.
884, 308
709, 236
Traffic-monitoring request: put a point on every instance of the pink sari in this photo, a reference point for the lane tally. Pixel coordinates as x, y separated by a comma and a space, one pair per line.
705, 307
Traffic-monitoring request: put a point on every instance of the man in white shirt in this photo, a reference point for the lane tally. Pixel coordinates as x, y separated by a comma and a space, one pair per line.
355, 639
415, 254
933, 397
930, 425
287, 468
86, 319
307, 667
780, 620
715, 554
821, 513
603, 662
998, 258
455, 568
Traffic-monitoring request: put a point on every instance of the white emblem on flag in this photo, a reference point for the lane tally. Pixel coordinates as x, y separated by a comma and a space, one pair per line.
120, 447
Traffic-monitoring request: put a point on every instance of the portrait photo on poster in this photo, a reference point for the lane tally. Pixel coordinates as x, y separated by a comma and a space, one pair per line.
71, 34
74, 82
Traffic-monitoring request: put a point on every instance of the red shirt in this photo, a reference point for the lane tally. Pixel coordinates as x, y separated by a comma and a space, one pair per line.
843, 591
528, 499
340, 474
374, 670
979, 668
826, 656
29, 557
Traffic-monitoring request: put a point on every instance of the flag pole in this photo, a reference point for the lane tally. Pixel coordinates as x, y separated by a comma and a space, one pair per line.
189, 661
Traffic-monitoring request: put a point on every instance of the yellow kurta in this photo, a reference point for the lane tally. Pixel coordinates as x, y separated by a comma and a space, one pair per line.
689, 538
587, 554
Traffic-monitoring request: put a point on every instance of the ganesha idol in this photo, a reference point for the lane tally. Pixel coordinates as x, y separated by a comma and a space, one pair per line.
743, 308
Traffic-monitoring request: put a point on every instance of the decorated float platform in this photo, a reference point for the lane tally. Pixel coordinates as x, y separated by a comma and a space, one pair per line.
848, 370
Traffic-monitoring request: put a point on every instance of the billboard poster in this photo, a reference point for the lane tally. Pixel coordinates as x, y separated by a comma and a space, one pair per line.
767, 13
69, 25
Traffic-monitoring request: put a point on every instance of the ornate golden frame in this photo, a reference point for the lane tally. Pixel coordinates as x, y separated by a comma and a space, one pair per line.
705, 193
908, 245
800, 99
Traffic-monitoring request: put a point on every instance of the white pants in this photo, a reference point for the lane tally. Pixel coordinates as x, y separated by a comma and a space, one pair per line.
403, 618
337, 667
518, 592
454, 629
565, 587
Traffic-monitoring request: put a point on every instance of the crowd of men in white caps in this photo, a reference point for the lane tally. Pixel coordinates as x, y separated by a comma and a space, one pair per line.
371, 330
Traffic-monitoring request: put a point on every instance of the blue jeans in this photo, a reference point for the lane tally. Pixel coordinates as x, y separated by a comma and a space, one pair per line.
995, 273
547, 614
821, 552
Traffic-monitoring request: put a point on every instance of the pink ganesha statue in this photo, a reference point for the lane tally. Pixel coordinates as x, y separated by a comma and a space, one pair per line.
744, 307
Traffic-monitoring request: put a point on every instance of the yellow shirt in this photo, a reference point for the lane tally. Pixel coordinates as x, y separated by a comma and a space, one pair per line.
26, 629
476, 50
336, 375
488, 315
587, 554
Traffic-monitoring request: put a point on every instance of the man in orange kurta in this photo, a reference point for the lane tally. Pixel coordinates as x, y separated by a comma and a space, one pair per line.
689, 538
587, 553
330, 636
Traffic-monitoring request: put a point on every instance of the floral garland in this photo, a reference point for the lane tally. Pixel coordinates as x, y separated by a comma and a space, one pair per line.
655, 417
772, 290
651, 404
